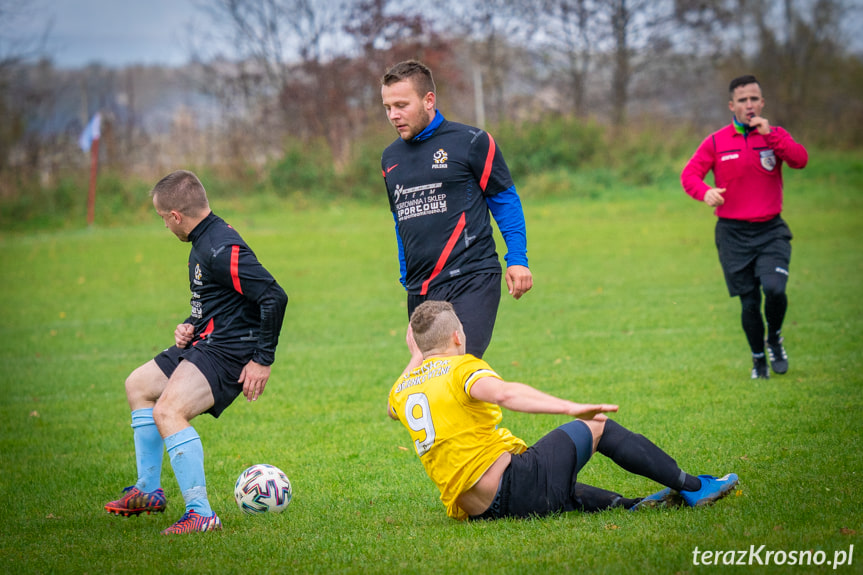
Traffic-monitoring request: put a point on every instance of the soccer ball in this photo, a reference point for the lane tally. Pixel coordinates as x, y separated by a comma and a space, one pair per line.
263, 488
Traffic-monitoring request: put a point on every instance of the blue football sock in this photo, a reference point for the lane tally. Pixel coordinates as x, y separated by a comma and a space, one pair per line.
187, 458
149, 449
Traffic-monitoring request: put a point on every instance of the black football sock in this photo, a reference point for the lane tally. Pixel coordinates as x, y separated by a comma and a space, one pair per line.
591, 499
775, 305
750, 318
637, 454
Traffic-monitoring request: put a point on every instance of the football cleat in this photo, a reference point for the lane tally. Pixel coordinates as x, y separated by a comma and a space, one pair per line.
194, 522
712, 489
668, 497
759, 368
778, 357
136, 502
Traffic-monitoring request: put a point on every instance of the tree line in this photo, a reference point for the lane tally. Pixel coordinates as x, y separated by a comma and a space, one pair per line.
268, 78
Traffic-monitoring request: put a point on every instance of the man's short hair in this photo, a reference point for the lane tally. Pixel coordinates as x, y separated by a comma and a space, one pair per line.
741, 81
414, 71
181, 191
432, 323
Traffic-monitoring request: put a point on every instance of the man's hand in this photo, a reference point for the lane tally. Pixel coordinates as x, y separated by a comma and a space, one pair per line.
713, 197
254, 378
519, 280
416, 355
592, 411
413, 348
184, 334
760, 124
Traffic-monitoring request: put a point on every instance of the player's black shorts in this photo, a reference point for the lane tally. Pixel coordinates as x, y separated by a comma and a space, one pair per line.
749, 250
542, 480
475, 299
222, 372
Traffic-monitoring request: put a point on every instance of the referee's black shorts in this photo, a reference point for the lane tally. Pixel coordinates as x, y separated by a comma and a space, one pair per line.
749, 250
221, 370
475, 299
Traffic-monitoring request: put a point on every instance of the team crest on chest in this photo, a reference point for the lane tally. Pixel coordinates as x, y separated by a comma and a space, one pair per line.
440, 159
768, 160
198, 274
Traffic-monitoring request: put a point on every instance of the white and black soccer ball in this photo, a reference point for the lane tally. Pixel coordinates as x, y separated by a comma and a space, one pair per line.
263, 488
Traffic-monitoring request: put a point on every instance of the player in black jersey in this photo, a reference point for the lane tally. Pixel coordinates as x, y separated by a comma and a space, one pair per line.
442, 180
225, 347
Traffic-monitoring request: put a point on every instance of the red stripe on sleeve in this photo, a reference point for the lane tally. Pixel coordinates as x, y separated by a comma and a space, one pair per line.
450, 244
489, 160
235, 268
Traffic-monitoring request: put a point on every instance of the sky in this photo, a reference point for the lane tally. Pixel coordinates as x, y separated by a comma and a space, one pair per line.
113, 32
124, 32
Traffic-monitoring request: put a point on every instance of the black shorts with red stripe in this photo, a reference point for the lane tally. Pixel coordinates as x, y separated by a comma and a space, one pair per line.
221, 370
475, 299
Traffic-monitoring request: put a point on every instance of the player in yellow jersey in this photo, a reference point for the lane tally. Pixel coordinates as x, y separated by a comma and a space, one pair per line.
451, 403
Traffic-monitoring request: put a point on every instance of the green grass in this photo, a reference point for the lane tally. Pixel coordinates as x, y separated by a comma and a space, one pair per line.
628, 307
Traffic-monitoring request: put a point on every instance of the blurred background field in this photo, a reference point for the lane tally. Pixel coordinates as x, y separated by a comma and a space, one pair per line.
596, 105
628, 307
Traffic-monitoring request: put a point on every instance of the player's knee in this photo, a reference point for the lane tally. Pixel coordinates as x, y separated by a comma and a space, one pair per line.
751, 301
136, 386
773, 285
162, 413
596, 427
145, 384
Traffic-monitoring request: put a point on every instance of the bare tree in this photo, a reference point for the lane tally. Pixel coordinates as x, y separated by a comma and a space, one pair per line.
273, 62
639, 42
313, 65
568, 31
496, 30
382, 33
15, 54
621, 18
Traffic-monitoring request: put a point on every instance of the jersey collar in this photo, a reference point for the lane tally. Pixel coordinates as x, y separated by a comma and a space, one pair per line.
202, 225
430, 129
741, 129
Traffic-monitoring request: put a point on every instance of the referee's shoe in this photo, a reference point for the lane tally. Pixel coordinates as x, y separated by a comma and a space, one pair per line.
759, 366
778, 357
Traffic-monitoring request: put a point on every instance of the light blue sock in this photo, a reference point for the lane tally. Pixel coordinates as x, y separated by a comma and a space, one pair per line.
187, 458
149, 449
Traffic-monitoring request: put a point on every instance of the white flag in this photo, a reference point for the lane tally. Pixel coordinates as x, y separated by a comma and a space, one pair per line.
91, 132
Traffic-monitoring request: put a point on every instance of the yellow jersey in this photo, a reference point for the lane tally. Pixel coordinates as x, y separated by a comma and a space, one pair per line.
455, 436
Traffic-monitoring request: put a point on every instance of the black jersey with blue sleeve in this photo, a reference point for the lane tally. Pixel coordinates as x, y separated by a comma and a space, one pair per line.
438, 185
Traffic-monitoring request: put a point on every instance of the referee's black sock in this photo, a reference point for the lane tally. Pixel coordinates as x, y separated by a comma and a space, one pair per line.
637, 454
751, 320
775, 305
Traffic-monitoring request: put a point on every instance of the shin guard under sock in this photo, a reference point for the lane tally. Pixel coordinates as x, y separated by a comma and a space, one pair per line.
637, 454
149, 450
187, 458
751, 320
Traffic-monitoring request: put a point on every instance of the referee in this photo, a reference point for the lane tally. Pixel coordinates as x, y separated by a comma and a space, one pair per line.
753, 240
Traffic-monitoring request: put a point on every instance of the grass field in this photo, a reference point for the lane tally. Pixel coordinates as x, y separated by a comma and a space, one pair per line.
628, 307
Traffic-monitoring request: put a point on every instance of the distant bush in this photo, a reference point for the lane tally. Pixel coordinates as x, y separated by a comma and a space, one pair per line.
64, 204
557, 156
305, 167
648, 155
554, 142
